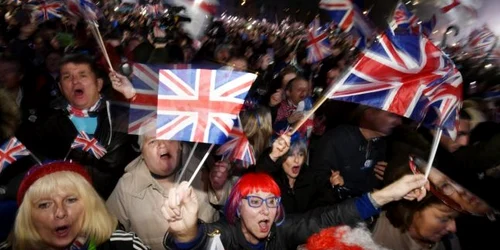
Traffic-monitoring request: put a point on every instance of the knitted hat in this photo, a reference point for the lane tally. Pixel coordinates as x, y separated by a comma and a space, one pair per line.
40, 171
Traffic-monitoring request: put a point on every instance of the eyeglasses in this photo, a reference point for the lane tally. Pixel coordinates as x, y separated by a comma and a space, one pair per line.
256, 201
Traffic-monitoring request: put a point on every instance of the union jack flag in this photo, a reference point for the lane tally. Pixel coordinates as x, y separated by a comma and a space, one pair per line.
456, 3
318, 45
238, 148
143, 107
44, 11
82, 8
84, 142
403, 19
11, 151
396, 74
199, 105
481, 41
444, 105
340, 11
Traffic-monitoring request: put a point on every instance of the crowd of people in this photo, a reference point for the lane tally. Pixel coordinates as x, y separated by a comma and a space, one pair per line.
351, 176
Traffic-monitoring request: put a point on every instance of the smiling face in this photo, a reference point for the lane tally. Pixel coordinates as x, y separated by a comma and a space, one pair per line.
256, 222
80, 85
162, 157
58, 218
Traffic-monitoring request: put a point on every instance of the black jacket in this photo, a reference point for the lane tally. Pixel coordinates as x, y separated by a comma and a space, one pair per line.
294, 231
57, 133
305, 193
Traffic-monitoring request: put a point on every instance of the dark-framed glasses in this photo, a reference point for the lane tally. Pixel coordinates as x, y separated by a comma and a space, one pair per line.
256, 201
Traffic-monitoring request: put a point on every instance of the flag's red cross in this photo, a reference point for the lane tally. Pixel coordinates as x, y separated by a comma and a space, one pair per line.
450, 6
346, 23
314, 41
409, 81
89, 144
202, 105
46, 8
7, 154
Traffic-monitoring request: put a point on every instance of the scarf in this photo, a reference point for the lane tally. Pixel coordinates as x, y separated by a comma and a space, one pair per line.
82, 243
83, 112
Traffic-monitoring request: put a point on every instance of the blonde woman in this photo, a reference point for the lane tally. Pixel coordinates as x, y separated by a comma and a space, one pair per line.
59, 209
257, 125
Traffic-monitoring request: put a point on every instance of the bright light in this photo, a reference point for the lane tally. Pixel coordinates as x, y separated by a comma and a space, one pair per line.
487, 66
448, 32
116, 8
435, 32
249, 27
198, 1
408, 2
415, 2
454, 44
365, 12
419, 22
254, 22
243, 2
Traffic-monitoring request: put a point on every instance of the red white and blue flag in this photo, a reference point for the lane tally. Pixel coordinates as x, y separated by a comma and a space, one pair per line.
82, 8
340, 11
11, 151
318, 46
237, 148
88, 144
396, 74
199, 105
481, 41
444, 105
403, 19
45, 10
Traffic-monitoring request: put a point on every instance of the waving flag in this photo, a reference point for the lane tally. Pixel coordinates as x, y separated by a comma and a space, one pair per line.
340, 11
396, 73
403, 19
444, 105
199, 105
82, 8
200, 12
88, 144
318, 45
238, 148
143, 107
481, 41
11, 151
44, 11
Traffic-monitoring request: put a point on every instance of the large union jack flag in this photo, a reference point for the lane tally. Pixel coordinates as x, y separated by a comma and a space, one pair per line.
199, 105
444, 105
340, 11
318, 45
88, 144
11, 151
237, 147
45, 10
396, 74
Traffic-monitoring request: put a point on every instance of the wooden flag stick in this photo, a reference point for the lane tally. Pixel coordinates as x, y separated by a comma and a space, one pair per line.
320, 101
186, 163
435, 144
200, 165
100, 42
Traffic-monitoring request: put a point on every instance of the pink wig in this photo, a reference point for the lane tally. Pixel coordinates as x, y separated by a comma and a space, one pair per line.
248, 184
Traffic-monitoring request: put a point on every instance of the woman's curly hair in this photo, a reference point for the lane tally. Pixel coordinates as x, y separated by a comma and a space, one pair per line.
10, 118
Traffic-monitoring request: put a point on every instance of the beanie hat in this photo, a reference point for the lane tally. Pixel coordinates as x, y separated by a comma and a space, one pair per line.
40, 171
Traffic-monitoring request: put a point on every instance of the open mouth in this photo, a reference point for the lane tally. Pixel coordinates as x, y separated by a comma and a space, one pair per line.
264, 226
78, 92
166, 156
295, 169
62, 231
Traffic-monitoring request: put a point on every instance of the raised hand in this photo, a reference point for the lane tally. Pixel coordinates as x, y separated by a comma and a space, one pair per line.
336, 179
218, 175
181, 212
121, 84
280, 146
409, 187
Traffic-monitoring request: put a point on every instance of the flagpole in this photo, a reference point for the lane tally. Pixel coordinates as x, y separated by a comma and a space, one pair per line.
319, 102
186, 163
100, 42
435, 144
200, 165
35, 158
67, 154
